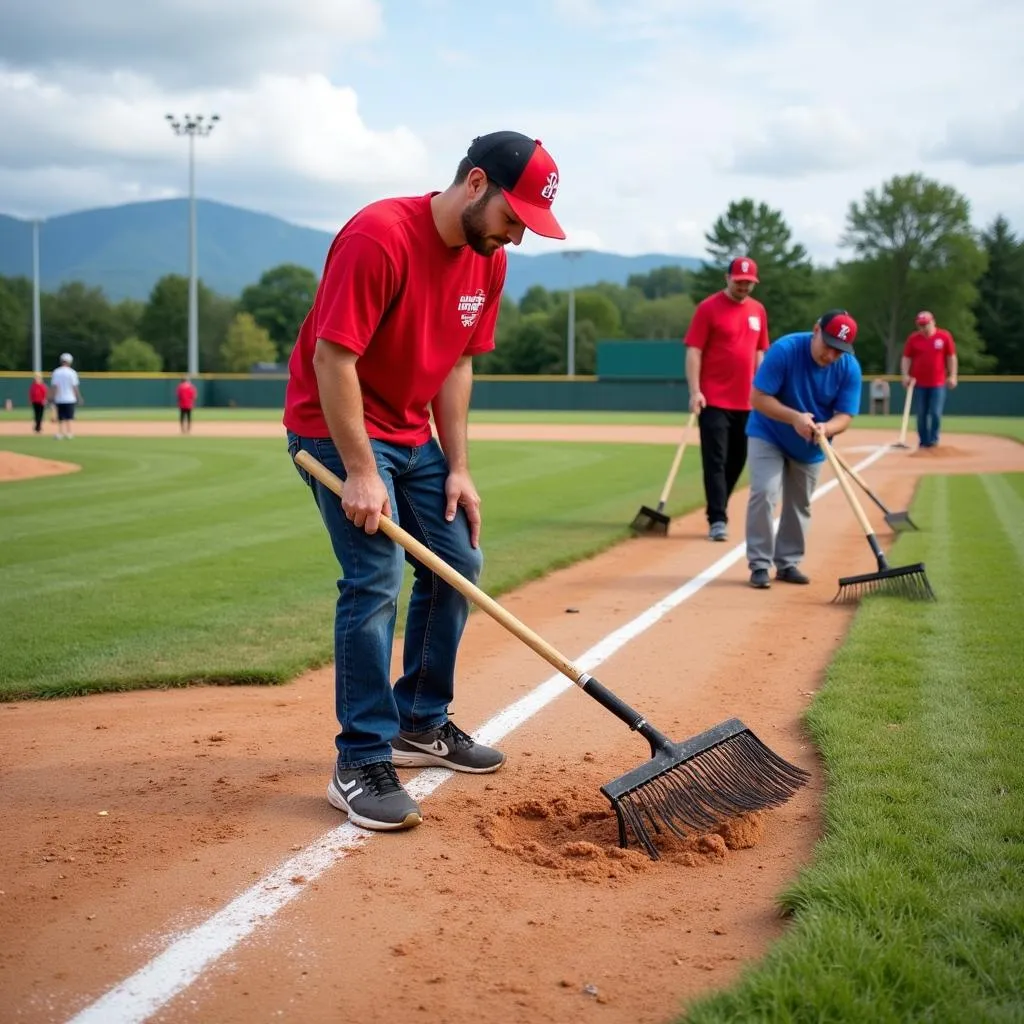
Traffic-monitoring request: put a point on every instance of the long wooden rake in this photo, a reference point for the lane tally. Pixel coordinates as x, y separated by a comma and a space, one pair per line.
653, 520
684, 787
909, 581
907, 399
900, 522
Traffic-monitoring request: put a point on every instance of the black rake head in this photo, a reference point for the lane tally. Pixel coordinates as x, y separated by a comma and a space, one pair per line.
649, 520
692, 787
908, 581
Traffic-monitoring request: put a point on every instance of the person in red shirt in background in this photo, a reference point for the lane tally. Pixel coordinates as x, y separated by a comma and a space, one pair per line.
929, 359
410, 292
186, 393
37, 392
725, 344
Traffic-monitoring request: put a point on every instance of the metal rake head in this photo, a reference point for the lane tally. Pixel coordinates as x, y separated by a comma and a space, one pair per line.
900, 522
649, 520
692, 787
908, 581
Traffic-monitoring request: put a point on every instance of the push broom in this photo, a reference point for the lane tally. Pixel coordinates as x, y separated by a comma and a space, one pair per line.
900, 522
654, 520
694, 785
908, 398
902, 581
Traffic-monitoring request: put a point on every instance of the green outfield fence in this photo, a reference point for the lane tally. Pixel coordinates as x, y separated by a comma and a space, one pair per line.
976, 396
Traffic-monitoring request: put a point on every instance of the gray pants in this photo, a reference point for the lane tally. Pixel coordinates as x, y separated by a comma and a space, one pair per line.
774, 475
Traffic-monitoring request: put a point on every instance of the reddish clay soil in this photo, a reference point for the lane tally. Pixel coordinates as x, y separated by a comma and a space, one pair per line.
130, 818
24, 467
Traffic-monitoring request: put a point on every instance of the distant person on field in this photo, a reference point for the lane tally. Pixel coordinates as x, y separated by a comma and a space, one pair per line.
809, 384
186, 393
65, 395
410, 292
929, 360
37, 395
725, 344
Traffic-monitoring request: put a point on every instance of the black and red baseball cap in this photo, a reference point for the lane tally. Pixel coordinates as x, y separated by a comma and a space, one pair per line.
527, 175
743, 268
838, 329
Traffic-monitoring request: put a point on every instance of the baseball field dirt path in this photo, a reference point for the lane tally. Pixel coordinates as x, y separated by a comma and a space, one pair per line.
131, 820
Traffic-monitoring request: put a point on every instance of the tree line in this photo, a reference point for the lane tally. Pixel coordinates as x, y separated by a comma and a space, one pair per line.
910, 242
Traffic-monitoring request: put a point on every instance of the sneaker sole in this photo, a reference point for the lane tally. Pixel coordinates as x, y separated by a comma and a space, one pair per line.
421, 759
411, 820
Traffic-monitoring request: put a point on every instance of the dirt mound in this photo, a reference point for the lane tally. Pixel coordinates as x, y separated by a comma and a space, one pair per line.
14, 466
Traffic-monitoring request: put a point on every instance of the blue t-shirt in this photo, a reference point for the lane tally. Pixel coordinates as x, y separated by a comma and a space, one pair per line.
790, 374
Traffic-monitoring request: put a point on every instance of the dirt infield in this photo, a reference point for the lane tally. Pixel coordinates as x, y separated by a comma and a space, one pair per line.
14, 466
130, 819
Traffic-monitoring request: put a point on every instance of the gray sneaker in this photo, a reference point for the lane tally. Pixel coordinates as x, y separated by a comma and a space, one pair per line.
718, 531
372, 797
445, 747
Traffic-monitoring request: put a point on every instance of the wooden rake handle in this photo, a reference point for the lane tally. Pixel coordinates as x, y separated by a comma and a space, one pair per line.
851, 472
906, 411
667, 489
441, 568
862, 518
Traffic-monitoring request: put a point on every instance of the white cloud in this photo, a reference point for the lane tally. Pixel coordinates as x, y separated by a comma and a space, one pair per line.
991, 139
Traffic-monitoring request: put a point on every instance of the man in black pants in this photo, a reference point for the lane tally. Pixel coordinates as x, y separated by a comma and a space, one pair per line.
725, 344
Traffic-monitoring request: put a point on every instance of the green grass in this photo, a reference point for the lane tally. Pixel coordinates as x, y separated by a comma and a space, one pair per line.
177, 560
1004, 426
913, 909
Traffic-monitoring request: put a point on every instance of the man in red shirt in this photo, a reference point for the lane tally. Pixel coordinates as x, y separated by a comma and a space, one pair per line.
725, 344
186, 393
929, 359
410, 292
37, 393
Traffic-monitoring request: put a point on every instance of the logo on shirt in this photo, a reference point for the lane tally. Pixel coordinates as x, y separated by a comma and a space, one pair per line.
470, 306
937, 343
549, 190
754, 322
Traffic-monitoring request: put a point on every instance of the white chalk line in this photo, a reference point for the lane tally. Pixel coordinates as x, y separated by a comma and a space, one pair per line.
169, 973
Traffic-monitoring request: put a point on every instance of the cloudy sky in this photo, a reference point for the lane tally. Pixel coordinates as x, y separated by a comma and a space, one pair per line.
659, 112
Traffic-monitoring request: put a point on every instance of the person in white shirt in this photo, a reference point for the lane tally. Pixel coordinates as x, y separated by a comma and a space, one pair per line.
65, 395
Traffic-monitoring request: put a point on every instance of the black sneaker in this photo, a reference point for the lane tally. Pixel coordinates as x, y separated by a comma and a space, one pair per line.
791, 574
445, 747
372, 797
759, 578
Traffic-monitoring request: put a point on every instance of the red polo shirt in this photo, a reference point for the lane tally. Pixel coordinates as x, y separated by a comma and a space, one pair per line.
928, 357
186, 395
37, 392
409, 305
728, 334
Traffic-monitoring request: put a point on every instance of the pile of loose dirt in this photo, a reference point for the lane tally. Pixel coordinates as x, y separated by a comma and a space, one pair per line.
14, 466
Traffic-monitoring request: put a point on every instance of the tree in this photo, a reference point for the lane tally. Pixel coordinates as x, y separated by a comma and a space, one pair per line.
279, 302
662, 282
134, 356
536, 300
786, 285
164, 323
534, 347
247, 344
915, 250
660, 318
15, 327
79, 320
999, 308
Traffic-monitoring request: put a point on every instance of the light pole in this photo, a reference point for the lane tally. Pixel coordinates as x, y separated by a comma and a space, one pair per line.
37, 329
571, 255
192, 126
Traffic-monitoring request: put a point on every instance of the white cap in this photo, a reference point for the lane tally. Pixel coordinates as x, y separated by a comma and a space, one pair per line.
66, 357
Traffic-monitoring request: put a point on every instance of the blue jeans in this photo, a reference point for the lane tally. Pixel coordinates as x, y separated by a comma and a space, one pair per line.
930, 402
370, 710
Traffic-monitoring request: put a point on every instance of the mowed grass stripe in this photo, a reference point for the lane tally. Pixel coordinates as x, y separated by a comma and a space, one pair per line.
177, 560
914, 906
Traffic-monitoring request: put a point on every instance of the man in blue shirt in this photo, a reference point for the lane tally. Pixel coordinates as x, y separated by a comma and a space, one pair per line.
809, 383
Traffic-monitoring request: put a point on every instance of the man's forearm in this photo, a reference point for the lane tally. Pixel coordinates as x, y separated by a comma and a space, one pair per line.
451, 414
837, 424
770, 406
342, 404
694, 359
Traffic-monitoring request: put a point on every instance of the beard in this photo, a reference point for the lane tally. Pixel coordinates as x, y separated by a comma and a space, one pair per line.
474, 227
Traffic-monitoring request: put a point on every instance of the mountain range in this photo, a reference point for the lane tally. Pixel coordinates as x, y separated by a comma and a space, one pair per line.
126, 249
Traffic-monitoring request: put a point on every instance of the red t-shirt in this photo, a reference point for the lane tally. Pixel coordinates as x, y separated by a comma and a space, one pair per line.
728, 334
409, 305
186, 395
37, 392
928, 357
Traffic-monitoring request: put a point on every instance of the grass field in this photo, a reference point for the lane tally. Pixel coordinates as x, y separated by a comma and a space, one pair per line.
1005, 426
196, 560
914, 907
